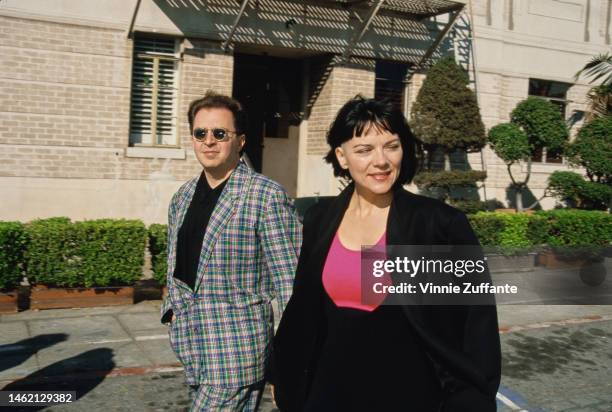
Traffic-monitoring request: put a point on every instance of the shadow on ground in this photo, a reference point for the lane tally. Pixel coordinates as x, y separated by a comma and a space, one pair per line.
565, 349
14, 354
67, 375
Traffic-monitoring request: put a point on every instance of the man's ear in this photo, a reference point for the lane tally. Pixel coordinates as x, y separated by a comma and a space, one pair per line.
241, 141
341, 158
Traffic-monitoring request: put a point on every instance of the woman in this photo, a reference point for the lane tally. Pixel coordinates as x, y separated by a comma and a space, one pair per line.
333, 352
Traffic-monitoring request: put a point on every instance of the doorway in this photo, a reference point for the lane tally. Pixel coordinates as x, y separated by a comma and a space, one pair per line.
270, 89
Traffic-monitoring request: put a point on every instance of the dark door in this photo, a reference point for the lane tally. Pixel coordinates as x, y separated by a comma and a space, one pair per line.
269, 89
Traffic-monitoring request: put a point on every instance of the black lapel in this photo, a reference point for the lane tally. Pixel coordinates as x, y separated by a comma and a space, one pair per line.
401, 223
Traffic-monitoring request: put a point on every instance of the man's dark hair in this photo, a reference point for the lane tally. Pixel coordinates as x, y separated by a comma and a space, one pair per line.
214, 100
357, 116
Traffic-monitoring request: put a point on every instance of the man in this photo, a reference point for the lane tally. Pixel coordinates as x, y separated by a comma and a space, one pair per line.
233, 242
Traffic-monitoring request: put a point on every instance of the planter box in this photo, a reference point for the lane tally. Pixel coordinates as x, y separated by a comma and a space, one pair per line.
42, 297
8, 301
509, 264
147, 289
549, 260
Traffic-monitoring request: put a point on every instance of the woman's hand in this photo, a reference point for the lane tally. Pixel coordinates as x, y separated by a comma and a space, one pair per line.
272, 392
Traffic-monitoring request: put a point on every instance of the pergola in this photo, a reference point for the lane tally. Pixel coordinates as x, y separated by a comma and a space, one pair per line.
365, 11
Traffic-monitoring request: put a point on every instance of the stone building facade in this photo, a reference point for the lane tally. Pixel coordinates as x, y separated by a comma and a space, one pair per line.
75, 76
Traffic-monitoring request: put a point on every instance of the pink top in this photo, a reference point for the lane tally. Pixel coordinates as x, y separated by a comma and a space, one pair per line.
342, 277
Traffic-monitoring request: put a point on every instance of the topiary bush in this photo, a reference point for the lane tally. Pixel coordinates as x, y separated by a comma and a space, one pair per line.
447, 179
92, 253
509, 142
446, 118
592, 149
446, 113
158, 247
470, 207
542, 123
575, 191
535, 123
13, 243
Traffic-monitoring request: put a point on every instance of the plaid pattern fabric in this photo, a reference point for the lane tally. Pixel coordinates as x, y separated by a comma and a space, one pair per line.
222, 330
217, 399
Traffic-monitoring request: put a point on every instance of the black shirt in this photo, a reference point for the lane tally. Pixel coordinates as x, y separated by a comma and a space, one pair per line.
191, 233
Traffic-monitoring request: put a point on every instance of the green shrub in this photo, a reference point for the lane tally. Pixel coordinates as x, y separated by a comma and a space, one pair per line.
578, 228
509, 142
158, 243
537, 230
13, 242
542, 123
575, 191
487, 227
446, 113
509, 233
101, 252
470, 207
448, 179
592, 149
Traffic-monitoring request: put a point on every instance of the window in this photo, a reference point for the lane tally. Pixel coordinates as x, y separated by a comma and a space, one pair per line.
554, 92
390, 82
154, 92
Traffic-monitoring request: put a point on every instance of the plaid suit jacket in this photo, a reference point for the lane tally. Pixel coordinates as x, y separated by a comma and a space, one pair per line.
222, 329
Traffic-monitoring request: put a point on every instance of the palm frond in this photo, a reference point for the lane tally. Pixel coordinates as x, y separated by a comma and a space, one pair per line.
600, 102
598, 67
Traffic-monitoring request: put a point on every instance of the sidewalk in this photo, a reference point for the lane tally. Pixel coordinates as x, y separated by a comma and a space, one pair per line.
129, 338
80, 348
66, 340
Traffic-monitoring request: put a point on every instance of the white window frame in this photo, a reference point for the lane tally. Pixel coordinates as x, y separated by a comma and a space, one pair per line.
153, 138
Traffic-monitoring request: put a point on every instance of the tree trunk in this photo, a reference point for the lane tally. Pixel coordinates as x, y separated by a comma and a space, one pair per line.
447, 167
519, 198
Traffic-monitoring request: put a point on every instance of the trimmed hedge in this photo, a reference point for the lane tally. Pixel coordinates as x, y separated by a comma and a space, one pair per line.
158, 243
519, 232
57, 252
507, 233
577, 227
103, 252
13, 243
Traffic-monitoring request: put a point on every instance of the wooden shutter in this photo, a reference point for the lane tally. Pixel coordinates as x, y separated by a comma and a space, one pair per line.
154, 91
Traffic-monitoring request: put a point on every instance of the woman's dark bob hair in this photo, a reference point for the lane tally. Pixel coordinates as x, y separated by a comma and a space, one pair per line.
356, 117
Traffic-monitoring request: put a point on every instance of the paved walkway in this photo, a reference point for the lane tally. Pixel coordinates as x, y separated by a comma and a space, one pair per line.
556, 358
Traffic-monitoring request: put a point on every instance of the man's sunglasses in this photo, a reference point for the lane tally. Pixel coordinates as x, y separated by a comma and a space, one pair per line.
218, 133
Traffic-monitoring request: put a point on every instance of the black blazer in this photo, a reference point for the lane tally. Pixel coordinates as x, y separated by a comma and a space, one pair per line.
462, 341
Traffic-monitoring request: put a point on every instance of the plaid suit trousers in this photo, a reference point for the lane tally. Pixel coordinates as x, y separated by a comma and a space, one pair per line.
217, 399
